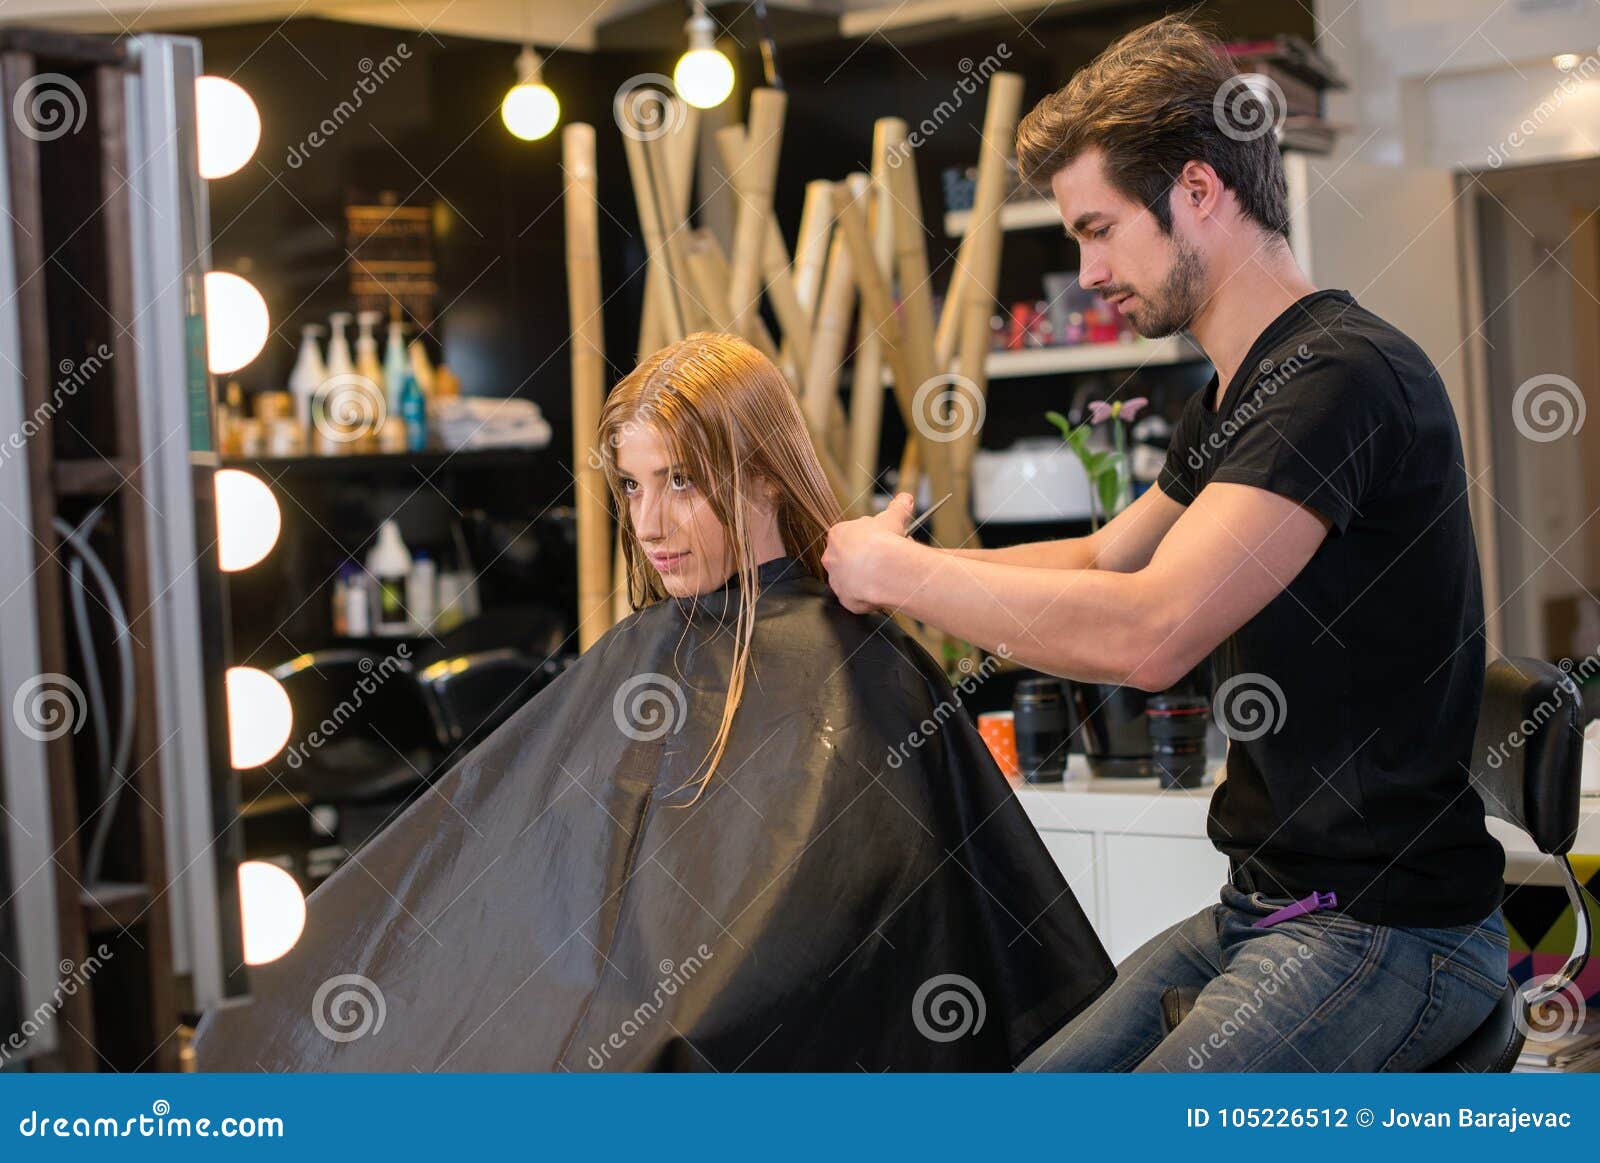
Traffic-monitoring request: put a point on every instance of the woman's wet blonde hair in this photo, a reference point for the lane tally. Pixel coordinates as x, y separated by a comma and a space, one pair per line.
728, 417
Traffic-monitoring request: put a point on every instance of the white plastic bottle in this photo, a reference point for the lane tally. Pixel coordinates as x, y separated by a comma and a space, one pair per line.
422, 592
367, 348
308, 374
396, 364
339, 361
389, 563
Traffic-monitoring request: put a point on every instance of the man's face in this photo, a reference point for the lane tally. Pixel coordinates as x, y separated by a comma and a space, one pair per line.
1156, 280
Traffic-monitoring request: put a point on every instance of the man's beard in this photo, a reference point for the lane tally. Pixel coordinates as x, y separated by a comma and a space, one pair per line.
1173, 306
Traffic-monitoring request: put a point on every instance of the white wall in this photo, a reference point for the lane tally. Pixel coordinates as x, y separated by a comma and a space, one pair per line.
1439, 89
1444, 82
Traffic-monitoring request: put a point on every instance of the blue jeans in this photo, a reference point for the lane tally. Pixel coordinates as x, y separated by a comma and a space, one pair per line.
1318, 992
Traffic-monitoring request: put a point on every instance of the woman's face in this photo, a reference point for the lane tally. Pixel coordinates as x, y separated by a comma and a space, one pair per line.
674, 522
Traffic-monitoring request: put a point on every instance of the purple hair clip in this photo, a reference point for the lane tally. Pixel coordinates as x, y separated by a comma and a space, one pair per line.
1310, 904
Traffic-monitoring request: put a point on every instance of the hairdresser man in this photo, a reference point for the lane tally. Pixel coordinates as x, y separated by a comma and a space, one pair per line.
1310, 533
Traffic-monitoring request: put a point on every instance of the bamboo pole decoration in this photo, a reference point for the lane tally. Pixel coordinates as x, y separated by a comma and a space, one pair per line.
753, 180
705, 276
650, 331
581, 210
866, 382
830, 331
811, 244
672, 160
709, 268
681, 143
621, 605
983, 265
951, 524
794, 321
916, 292
675, 316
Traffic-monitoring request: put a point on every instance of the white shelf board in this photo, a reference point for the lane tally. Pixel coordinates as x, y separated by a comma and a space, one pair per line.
1023, 214
1091, 357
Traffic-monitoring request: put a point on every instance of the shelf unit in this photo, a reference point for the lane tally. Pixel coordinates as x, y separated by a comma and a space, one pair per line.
1032, 213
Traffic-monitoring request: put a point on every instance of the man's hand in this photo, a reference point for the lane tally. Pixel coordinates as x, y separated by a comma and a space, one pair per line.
858, 554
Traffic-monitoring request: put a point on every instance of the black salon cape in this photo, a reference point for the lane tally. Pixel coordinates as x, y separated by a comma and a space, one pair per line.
857, 888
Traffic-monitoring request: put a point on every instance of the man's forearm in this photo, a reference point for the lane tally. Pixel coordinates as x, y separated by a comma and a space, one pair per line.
1067, 553
1089, 624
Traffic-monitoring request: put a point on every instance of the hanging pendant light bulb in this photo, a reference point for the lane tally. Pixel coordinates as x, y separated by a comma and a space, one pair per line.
704, 76
530, 109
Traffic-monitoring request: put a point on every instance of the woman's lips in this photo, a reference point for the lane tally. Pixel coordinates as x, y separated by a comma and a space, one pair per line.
667, 562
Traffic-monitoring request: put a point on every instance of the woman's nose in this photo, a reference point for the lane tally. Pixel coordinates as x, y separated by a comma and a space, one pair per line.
648, 519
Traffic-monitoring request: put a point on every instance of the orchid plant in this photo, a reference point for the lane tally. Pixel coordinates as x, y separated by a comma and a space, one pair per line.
1110, 478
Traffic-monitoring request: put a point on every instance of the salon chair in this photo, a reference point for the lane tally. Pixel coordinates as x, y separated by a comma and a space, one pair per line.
376, 736
1533, 786
471, 694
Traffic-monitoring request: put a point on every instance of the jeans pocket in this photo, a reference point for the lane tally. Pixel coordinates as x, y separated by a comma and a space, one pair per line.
1459, 998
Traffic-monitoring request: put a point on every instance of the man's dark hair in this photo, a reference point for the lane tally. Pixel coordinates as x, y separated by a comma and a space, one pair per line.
1160, 97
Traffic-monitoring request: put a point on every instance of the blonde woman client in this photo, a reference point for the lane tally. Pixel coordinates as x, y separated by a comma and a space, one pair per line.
746, 830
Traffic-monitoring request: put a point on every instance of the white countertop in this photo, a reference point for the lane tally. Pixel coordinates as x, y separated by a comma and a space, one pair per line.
1084, 803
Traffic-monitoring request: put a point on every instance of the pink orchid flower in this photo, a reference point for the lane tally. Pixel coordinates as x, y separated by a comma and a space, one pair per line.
1100, 411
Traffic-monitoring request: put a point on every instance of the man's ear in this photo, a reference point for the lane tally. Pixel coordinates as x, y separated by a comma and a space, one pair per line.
1198, 190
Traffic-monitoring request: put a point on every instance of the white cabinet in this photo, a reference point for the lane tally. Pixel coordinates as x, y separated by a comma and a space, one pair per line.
1152, 882
1075, 856
1135, 856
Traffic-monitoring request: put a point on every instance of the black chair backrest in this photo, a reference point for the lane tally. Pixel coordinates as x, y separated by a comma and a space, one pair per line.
1527, 755
363, 693
474, 693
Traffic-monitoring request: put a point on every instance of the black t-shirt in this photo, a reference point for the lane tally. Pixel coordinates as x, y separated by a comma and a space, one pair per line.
1352, 699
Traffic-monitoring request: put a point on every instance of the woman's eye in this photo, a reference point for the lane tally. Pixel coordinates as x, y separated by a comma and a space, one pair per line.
681, 482
629, 488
